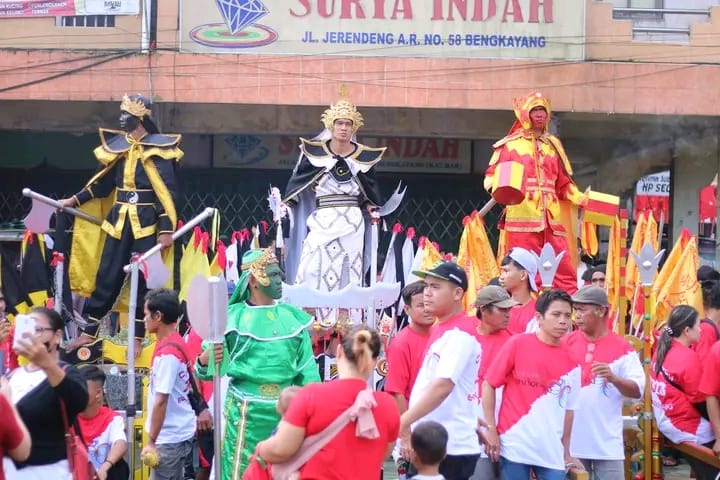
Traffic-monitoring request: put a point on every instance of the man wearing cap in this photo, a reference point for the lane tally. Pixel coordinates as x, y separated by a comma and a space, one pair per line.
517, 275
493, 306
445, 390
135, 193
610, 370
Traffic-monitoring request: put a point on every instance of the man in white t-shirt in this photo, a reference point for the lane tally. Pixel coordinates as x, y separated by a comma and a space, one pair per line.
103, 429
171, 421
610, 370
445, 390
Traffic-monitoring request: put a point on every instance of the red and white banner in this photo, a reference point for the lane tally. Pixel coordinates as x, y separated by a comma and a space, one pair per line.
39, 8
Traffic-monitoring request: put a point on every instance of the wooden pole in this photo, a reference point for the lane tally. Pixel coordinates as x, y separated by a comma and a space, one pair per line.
622, 296
647, 398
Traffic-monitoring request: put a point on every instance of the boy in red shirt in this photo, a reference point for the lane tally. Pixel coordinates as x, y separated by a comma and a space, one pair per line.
406, 351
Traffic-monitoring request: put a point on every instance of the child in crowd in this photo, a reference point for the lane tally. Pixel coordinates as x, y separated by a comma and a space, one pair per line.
286, 396
429, 442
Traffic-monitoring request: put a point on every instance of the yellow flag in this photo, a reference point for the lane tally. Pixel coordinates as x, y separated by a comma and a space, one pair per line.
612, 270
476, 257
431, 255
194, 261
681, 287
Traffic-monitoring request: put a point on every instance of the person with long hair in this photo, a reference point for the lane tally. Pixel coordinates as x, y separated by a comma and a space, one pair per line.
350, 454
40, 390
676, 371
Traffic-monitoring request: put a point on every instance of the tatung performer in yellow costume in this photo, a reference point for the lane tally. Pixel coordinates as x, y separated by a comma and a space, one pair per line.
548, 212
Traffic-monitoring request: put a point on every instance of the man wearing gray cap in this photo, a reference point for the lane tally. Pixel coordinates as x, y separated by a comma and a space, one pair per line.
610, 370
493, 306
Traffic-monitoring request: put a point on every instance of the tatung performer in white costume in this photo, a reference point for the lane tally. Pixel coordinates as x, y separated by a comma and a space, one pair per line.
332, 191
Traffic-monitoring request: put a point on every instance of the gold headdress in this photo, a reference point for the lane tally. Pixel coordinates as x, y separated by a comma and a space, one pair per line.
258, 265
344, 108
136, 107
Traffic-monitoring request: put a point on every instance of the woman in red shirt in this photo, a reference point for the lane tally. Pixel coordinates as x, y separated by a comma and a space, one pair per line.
317, 405
676, 373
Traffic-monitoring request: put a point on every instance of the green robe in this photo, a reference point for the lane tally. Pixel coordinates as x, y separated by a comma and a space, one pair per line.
266, 349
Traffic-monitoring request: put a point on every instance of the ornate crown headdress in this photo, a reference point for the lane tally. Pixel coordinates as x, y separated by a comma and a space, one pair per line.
258, 268
136, 107
344, 108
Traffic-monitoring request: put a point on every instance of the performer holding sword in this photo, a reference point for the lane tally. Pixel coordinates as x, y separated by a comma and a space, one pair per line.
137, 187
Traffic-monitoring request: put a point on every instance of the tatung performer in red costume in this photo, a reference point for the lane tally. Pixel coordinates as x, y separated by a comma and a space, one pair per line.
548, 212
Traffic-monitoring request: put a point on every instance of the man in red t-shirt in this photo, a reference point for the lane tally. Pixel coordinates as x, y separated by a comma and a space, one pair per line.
493, 310
710, 386
517, 276
14, 437
405, 353
709, 326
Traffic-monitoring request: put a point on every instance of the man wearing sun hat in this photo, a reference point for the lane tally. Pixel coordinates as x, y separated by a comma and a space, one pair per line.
517, 275
446, 389
610, 370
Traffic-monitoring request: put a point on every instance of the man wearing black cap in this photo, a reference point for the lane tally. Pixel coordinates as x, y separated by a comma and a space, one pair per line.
446, 388
139, 173
610, 370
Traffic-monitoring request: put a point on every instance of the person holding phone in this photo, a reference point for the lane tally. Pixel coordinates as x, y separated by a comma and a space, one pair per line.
39, 391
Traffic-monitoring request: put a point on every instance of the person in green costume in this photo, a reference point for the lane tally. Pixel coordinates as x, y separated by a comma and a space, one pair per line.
266, 348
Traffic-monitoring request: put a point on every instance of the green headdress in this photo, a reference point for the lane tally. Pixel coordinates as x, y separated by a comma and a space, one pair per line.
255, 263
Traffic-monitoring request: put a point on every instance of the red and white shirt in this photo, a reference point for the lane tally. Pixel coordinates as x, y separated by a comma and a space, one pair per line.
541, 383
169, 375
404, 357
520, 317
453, 353
676, 416
597, 422
100, 433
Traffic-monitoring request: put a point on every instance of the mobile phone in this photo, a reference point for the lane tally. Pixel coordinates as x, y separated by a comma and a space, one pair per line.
2, 362
23, 324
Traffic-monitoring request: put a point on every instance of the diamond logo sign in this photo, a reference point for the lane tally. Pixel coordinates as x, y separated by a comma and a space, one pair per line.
239, 14
240, 29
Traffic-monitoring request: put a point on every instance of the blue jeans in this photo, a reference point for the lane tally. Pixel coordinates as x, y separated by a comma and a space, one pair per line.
512, 471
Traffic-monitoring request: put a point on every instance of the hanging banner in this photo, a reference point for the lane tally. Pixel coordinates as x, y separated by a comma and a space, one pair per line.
67, 8
411, 155
652, 193
535, 29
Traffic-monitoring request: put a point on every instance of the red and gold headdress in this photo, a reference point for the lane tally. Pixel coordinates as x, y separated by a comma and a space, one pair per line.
344, 108
522, 107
